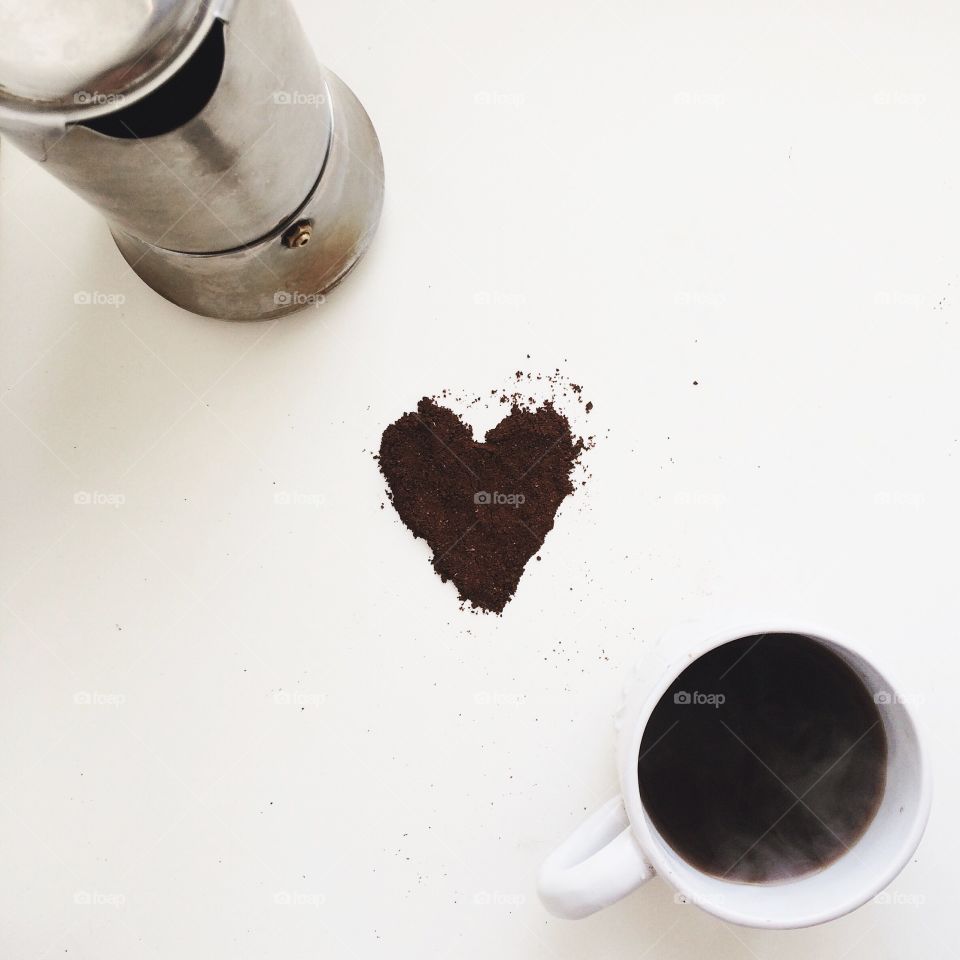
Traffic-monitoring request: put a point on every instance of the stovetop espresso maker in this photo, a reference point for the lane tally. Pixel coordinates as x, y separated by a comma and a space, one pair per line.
240, 179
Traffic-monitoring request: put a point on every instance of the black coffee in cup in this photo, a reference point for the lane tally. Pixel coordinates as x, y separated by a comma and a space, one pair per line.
765, 760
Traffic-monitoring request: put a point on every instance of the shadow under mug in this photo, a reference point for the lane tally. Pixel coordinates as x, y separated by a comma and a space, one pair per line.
618, 848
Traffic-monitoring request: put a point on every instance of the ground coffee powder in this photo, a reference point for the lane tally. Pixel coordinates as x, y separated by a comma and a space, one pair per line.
483, 508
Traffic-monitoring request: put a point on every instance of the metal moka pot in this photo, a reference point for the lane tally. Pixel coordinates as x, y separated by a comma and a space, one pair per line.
240, 178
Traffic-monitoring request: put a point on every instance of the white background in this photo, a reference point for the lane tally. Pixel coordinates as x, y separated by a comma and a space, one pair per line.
762, 199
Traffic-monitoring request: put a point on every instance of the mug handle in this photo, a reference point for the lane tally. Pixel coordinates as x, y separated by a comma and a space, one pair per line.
598, 864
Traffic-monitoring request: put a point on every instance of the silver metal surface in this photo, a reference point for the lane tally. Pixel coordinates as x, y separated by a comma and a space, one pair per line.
213, 132
271, 278
75, 58
227, 176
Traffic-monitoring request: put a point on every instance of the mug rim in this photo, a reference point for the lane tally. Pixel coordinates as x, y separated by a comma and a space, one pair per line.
631, 737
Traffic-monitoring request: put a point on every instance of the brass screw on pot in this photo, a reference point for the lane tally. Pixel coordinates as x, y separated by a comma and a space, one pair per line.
298, 235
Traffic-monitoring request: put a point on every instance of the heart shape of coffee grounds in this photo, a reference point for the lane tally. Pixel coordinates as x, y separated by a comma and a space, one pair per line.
483, 508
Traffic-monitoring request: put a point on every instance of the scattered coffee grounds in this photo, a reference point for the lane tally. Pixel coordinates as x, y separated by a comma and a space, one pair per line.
485, 508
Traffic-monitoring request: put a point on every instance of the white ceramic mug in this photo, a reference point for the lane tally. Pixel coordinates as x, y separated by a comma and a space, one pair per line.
618, 848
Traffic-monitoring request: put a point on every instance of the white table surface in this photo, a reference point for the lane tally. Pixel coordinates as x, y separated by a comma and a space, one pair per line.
285, 702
